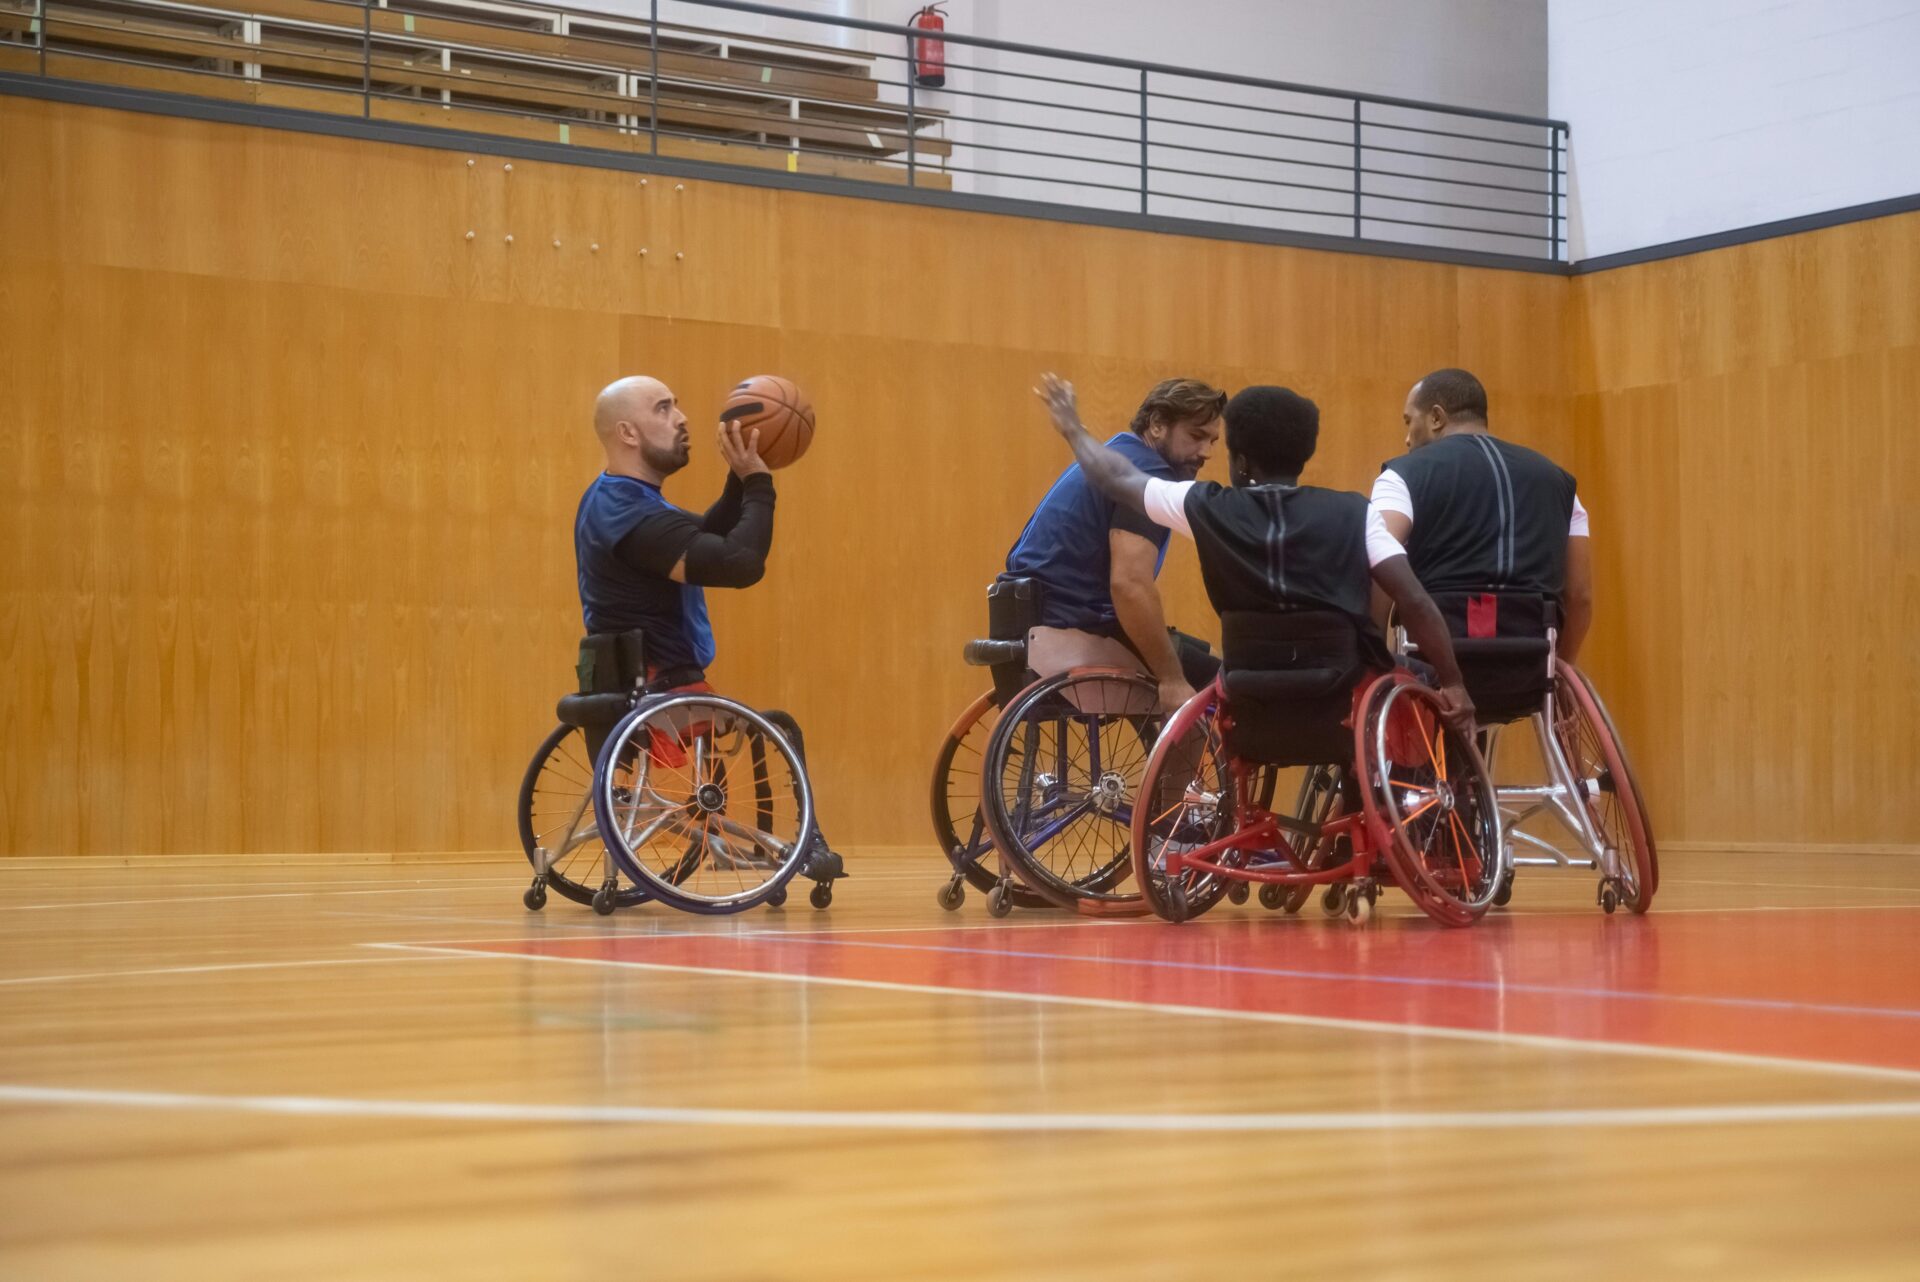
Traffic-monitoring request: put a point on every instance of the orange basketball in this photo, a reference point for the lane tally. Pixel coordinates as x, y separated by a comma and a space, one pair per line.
779, 409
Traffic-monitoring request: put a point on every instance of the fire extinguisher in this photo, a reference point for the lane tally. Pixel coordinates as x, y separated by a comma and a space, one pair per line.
929, 53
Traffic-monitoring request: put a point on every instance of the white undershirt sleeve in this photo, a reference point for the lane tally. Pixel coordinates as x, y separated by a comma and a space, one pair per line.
1166, 503
1577, 529
1381, 545
1390, 494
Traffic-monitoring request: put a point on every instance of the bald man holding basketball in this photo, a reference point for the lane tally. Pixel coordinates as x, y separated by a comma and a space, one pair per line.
645, 564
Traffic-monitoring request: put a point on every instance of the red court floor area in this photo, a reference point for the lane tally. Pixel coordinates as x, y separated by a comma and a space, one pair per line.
1833, 986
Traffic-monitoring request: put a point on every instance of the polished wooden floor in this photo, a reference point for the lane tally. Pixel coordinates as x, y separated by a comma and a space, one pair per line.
370, 1072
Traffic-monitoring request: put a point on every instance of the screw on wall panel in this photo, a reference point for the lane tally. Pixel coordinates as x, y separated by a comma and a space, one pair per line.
643, 182
594, 247
509, 238
508, 166
469, 162
556, 242
469, 235
678, 254
643, 251
679, 186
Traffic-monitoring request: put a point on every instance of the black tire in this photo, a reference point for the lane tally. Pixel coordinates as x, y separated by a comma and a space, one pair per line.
959, 826
778, 897
543, 806
535, 899
821, 895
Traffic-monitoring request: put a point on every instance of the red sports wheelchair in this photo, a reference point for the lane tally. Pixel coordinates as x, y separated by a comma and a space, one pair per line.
1391, 792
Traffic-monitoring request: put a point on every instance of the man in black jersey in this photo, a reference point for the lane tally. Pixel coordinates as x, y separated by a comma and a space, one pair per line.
1270, 541
1476, 512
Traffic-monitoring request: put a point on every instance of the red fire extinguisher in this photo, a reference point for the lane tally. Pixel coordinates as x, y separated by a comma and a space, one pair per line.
929, 52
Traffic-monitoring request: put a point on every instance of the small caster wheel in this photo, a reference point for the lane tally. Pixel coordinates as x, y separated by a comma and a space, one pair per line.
999, 902
1273, 895
951, 895
1359, 909
1334, 902
1178, 907
1237, 892
1609, 897
777, 897
1373, 892
821, 895
1296, 899
603, 900
536, 897
1504, 896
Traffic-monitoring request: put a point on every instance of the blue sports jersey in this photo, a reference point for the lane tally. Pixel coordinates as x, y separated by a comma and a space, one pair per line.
615, 597
1065, 543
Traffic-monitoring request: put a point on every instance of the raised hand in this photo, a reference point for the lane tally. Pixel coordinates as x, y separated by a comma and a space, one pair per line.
1056, 394
742, 455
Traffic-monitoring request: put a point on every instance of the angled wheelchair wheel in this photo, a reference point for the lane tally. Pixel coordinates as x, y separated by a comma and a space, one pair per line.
1189, 800
959, 819
1429, 801
703, 803
1063, 767
555, 814
1613, 798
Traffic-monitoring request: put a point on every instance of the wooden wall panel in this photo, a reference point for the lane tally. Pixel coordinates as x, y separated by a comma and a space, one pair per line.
288, 465
1744, 424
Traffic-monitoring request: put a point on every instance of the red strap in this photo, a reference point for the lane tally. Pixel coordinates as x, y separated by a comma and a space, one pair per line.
1483, 615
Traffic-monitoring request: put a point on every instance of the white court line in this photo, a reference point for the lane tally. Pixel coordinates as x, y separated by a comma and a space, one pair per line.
1536, 1041
220, 968
479, 1111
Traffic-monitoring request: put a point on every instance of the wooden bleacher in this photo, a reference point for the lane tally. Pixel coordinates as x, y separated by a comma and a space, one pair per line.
514, 70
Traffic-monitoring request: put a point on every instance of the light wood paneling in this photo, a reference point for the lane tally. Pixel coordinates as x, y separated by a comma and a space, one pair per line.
290, 463
1744, 426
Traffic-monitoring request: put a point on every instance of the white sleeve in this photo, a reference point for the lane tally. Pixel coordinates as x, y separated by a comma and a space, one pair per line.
1390, 494
1381, 545
1577, 529
1166, 503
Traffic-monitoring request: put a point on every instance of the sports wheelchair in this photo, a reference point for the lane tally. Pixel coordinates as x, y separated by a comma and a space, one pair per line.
1391, 790
1505, 642
1034, 786
697, 801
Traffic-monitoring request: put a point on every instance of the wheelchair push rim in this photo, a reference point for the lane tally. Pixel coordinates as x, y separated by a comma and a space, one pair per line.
1207, 812
957, 803
1060, 784
1617, 807
1429, 802
556, 801
703, 802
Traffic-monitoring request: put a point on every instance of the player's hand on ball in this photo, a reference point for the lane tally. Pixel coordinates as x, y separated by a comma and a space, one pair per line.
1056, 394
742, 454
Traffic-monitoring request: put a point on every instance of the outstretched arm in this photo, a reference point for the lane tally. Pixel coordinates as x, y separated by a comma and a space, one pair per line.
1109, 470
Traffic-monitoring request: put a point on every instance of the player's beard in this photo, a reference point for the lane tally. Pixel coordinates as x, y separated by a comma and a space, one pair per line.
665, 462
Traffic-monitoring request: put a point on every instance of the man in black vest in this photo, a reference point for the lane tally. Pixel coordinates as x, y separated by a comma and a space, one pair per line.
1476, 512
1270, 542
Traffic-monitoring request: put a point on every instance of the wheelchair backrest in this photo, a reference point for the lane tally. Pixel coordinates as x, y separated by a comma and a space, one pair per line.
1013, 610
612, 662
1289, 678
1501, 639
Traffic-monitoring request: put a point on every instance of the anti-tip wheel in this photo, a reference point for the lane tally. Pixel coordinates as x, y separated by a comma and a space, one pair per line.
1178, 908
1273, 895
777, 897
603, 900
1237, 892
1609, 897
999, 902
1359, 909
535, 899
1504, 896
821, 895
1334, 902
951, 895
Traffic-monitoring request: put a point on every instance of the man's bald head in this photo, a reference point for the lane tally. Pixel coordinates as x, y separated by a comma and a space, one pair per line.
640, 426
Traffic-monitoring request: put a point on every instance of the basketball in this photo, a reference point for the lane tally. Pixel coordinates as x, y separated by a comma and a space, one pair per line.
779, 409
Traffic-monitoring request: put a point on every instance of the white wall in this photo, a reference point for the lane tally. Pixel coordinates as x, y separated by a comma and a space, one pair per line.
1697, 116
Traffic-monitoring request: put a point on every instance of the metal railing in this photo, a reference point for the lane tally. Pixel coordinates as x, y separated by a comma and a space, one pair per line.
1013, 122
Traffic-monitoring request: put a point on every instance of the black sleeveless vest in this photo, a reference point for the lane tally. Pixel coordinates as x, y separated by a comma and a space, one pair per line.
1487, 514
